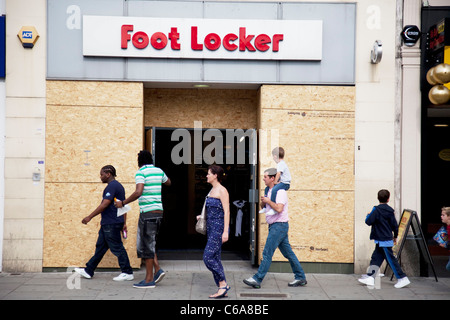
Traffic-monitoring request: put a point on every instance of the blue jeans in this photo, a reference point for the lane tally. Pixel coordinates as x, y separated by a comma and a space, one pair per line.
278, 238
109, 238
382, 253
275, 189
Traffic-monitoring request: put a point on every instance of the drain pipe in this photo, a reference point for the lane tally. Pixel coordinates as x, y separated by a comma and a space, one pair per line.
2, 151
2, 166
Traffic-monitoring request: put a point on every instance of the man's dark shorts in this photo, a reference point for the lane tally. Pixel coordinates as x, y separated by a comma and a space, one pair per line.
148, 227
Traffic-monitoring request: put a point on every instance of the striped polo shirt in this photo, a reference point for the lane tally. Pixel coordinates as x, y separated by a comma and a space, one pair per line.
152, 177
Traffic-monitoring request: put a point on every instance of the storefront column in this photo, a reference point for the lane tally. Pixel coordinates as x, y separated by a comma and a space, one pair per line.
411, 115
410, 131
24, 142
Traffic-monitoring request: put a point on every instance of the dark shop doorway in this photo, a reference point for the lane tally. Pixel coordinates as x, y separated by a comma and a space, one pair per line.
184, 199
435, 142
435, 185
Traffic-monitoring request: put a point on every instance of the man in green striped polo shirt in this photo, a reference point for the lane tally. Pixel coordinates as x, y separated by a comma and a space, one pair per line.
149, 180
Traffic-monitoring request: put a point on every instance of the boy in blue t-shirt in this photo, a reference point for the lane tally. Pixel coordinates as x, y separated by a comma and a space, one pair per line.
111, 226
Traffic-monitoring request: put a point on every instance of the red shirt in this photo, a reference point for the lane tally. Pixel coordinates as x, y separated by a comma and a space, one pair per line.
448, 237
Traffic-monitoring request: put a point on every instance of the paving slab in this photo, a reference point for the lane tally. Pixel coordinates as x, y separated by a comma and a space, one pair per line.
191, 281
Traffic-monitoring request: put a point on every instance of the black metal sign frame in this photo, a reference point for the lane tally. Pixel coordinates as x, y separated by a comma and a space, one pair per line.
410, 219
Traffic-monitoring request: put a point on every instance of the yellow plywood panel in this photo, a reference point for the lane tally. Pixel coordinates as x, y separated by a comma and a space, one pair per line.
315, 126
221, 109
68, 242
308, 97
81, 140
94, 93
319, 147
88, 125
320, 226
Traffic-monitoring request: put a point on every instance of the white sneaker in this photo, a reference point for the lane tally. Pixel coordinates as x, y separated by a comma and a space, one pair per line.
271, 212
369, 281
263, 210
124, 277
402, 282
82, 272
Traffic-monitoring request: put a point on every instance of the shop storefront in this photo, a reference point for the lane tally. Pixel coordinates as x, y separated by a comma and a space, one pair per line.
198, 82
435, 50
279, 74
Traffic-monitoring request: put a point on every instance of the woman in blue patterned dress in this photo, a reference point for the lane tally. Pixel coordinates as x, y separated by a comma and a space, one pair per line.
217, 229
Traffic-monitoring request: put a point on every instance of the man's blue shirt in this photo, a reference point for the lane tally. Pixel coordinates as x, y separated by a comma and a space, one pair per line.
113, 190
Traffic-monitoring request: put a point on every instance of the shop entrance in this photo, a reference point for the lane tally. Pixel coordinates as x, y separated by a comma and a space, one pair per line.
435, 184
435, 144
184, 199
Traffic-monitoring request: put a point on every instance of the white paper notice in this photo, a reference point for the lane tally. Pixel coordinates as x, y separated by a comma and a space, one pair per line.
123, 210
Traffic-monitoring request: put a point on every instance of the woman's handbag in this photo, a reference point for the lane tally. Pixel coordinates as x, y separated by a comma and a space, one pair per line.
441, 236
200, 227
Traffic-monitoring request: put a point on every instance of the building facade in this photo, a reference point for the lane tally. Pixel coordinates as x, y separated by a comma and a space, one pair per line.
198, 82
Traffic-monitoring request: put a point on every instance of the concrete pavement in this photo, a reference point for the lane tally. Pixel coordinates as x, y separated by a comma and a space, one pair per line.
190, 280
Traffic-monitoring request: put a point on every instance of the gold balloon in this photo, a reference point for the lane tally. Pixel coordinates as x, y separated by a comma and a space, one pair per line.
442, 73
439, 94
430, 77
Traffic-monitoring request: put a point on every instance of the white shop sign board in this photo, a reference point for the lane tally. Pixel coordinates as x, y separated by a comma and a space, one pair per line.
118, 36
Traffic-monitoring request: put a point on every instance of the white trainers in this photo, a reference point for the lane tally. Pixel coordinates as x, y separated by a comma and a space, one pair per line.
124, 277
263, 210
402, 282
82, 272
367, 280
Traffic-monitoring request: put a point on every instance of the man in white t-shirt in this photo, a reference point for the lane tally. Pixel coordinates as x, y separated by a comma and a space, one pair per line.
278, 235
